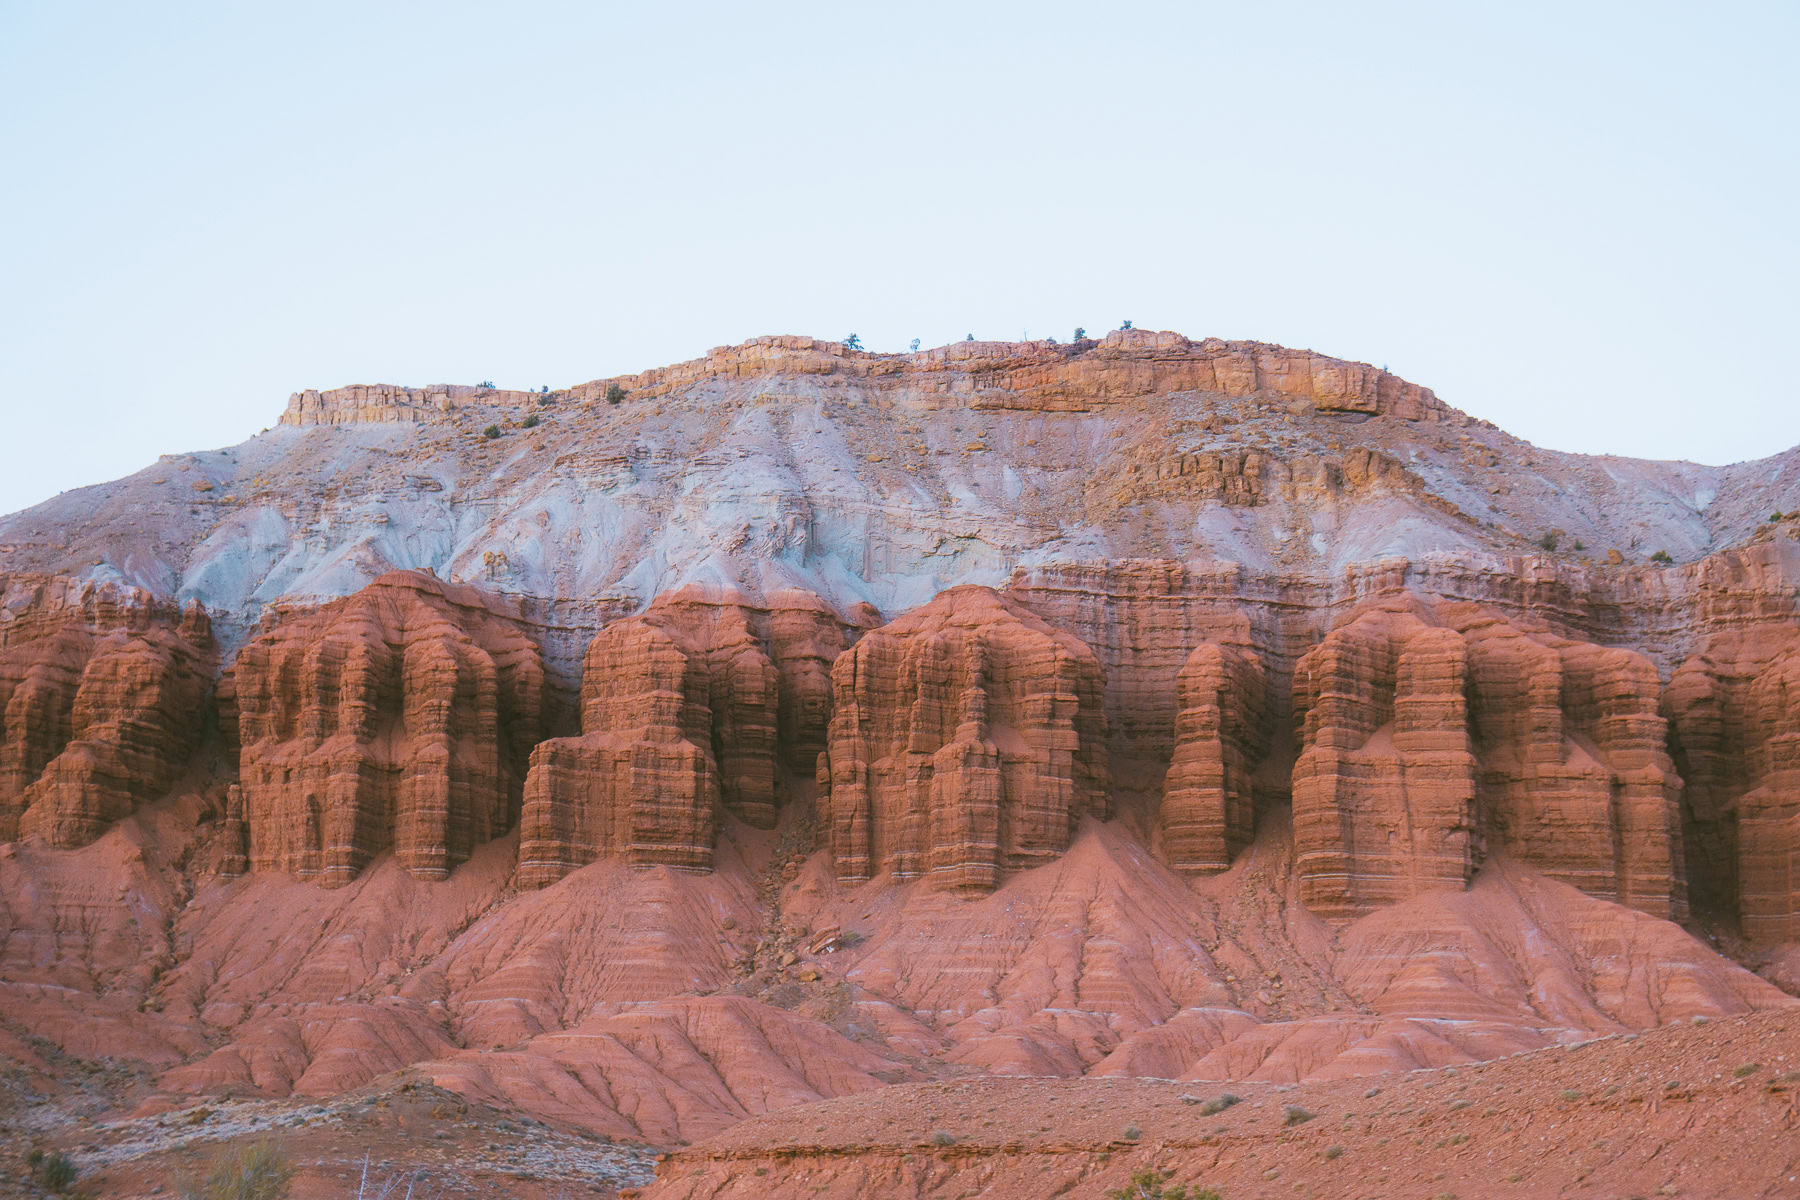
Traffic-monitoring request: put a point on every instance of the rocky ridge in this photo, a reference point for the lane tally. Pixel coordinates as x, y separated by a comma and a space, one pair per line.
801, 721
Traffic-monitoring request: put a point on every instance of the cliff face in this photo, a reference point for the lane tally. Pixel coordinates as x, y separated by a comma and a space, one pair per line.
101, 703
1138, 706
1735, 711
688, 708
967, 741
396, 719
1430, 736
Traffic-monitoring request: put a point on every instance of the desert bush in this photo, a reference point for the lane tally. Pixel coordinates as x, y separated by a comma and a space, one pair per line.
1334, 1151
1132, 1132
1219, 1104
1570, 1094
614, 394
1747, 1069
259, 1170
491, 432
530, 422
1148, 1184
1662, 558
1293, 1114
1550, 540
943, 1137
53, 1172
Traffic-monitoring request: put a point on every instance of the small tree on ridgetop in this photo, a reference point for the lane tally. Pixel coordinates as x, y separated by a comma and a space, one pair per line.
915, 345
1126, 325
1080, 334
853, 342
970, 338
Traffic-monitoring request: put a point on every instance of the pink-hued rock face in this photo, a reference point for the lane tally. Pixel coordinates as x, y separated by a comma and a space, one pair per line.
1428, 733
697, 703
396, 719
967, 740
1734, 712
101, 703
1222, 730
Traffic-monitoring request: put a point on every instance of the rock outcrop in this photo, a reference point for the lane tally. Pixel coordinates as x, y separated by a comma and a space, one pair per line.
697, 703
397, 718
1222, 728
1431, 734
102, 694
968, 738
1734, 712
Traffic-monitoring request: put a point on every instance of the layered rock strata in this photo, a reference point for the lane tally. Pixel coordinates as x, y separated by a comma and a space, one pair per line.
696, 704
1429, 733
1734, 710
1123, 364
1222, 729
968, 738
102, 696
397, 718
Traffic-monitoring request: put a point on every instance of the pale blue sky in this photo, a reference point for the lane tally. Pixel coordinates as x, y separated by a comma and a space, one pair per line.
1576, 220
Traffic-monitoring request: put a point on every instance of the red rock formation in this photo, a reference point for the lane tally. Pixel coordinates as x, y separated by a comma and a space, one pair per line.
1734, 711
695, 703
1384, 787
1221, 730
397, 718
1427, 733
967, 741
1576, 778
101, 703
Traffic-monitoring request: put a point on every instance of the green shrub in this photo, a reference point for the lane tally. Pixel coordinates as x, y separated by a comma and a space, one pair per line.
530, 422
1662, 558
1219, 1104
1147, 1184
258, 1170
943, 1138
1747, 1069
1132, 1132
53, 1171
1293, 1114
491, 432
1551, 539
614, 394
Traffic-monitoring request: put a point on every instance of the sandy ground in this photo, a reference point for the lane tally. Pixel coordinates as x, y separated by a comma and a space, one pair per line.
1698, 1110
